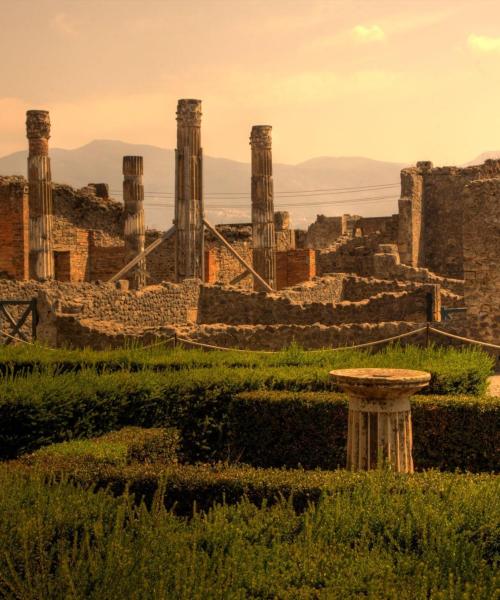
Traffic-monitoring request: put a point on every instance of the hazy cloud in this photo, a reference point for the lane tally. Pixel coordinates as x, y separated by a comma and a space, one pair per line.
63, 24
483, 43
368, 33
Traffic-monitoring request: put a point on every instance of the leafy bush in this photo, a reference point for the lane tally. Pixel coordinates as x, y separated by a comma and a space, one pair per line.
461, 371
217, 424
274, 428
118, 448
370, 535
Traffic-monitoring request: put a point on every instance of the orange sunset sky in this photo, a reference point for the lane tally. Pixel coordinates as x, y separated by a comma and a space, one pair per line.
400, 80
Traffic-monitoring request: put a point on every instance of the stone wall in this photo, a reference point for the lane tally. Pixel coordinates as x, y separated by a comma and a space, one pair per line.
316, 336
328, 289
14, 224
481, 233
63, 308
231, 306
430, 230
83, 224
323, 232
350, 255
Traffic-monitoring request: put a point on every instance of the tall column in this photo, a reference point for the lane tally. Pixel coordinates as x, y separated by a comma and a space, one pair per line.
134, 230
189, 259
264, 242
40, 195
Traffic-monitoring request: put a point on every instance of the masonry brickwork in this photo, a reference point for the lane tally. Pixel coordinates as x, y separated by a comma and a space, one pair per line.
432, 214
14, 238
481, 232
326, 232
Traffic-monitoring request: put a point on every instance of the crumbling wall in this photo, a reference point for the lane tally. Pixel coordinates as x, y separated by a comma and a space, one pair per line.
431, 215
225, 305
63, 308
328, 289
481, 235
83, 224
14, 224
323, 232
315, 336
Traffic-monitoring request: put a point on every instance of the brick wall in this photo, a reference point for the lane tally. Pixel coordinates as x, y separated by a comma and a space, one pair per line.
14, 240
295, 266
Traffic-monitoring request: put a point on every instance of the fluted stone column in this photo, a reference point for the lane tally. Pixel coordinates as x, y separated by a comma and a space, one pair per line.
40, 195
379, 427
189, 259
134, 229
263, 233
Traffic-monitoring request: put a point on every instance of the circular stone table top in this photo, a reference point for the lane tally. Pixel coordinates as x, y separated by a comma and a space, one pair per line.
381, 377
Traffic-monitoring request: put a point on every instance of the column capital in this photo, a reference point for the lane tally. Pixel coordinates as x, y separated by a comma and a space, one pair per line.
133, 166
37, 124
189, 112
260, 137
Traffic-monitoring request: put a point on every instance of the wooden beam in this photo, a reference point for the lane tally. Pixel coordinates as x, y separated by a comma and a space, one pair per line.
237, 256
168, 234
239, 277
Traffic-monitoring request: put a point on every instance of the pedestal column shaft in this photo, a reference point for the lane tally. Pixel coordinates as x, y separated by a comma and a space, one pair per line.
263, 229
379, 434
189, 259
40, 195
134, 228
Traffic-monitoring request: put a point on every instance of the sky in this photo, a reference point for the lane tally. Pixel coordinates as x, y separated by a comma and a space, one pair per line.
391, 80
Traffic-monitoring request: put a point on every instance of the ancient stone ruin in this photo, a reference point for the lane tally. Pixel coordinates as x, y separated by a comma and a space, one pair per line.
101, 278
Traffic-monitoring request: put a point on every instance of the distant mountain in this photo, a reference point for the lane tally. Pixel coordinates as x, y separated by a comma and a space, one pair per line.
482, 157
316, 186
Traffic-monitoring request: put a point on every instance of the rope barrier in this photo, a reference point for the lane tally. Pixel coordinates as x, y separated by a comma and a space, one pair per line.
464, 339
353, 347
15, 338
365, 345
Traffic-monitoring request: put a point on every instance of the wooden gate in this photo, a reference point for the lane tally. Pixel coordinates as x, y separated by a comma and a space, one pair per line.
11, 326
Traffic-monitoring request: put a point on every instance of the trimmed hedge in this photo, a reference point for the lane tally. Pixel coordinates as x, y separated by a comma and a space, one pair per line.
117, 448
372, 535
274, 429
216, 423
458, 371
201, 487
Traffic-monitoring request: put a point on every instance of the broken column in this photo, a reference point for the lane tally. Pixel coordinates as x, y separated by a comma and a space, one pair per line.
134, 231
189, 259
40, 195
263, 233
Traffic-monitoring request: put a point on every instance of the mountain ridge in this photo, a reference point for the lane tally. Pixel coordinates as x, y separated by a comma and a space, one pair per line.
306, 189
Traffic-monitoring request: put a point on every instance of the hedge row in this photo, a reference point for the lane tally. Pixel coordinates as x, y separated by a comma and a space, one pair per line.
187, 487
375, 536
117, 448
216, 422
453, 371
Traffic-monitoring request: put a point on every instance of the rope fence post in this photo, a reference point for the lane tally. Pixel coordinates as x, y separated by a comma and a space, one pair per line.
427, 334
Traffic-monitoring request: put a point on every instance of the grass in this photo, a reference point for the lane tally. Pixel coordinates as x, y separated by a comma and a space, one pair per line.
450, 367
373, 535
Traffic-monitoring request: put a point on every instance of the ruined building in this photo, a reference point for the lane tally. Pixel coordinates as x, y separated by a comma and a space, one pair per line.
101, 278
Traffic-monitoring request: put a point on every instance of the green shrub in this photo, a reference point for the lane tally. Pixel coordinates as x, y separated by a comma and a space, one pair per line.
216, 424
118, 448
370, 535
273, 429
461, 371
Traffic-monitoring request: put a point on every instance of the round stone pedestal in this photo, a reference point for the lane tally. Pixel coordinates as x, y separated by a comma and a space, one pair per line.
379, 429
